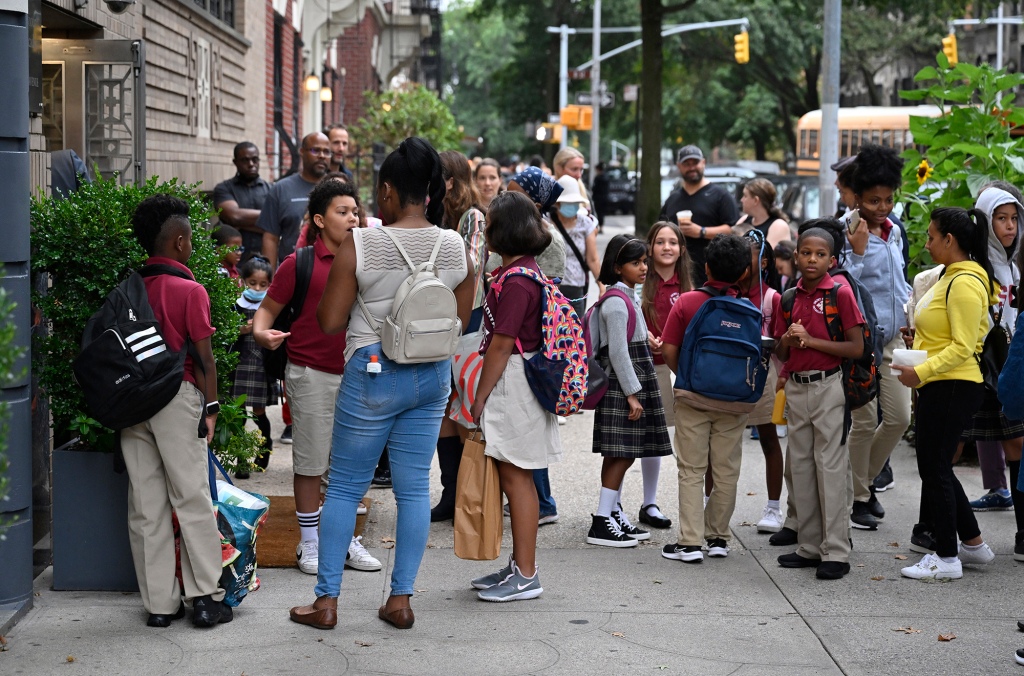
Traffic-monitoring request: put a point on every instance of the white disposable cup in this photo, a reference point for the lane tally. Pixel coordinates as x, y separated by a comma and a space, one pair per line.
685, 214
902, 357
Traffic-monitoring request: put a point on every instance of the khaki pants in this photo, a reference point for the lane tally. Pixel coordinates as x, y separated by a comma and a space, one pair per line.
167, 469
820, 468
870, 442
700, 437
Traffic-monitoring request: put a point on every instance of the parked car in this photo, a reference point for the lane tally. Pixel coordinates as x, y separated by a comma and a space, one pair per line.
621, 191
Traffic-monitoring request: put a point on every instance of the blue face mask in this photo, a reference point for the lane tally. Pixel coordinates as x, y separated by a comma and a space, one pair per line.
568, 210
253, 295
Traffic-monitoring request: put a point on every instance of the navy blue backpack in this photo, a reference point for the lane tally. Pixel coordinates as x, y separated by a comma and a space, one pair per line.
722, 366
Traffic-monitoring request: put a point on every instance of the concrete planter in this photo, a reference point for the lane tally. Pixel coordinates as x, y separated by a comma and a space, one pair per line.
90, 523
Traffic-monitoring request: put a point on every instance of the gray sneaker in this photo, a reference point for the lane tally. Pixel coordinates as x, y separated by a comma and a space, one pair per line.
488, 581
516, 587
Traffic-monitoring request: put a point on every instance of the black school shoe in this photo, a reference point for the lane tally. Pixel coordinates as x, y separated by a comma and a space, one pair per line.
794, 560
875, 507
605, 532
206, 612
381, 479
832, 570
784, 538
163, 621
653, 521
922, 540
862, 518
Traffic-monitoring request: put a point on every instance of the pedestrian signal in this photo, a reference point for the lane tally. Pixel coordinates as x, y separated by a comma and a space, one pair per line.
949, 48
549, 133
742, 44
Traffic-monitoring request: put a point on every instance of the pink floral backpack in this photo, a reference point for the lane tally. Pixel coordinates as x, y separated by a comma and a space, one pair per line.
557, 374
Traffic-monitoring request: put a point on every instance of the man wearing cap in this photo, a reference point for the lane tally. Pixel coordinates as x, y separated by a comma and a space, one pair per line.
702, 209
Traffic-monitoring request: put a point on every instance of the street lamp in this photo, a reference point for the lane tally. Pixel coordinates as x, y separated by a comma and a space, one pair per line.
312, 82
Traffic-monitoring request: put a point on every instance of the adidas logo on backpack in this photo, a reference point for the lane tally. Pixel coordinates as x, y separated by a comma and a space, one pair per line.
423, 325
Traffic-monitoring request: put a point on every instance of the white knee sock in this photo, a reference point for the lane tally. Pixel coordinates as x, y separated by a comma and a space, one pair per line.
608, 502
651, 468
309, 525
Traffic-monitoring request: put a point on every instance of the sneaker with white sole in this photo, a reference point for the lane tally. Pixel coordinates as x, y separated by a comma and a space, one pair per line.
307, 555
361, 509
1019, 656
605, 531
360, 559
771, 520
516, 587
931, 567
686, 554
628, 528
978, 556
545, 519
718, 548
488, 581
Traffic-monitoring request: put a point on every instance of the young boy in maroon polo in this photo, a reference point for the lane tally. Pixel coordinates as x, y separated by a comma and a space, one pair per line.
706, 437
816, 401
165, 457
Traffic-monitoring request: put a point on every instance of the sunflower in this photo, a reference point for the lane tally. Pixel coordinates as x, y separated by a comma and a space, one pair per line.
924, 172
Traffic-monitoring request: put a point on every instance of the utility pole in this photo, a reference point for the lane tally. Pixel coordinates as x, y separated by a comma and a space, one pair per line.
563, 76
595, 94
1000, 20
829, 153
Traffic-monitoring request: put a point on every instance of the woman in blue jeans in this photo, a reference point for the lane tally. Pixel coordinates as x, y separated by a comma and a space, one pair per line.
380, 401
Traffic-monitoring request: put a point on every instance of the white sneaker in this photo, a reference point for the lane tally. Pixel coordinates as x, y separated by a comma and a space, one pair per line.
361, 509
980, 556
561, 420
307, 553
359, 558
771, 520
931, 567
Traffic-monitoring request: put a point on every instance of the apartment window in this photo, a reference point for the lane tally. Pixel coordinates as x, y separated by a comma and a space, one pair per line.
220, 9
202, 88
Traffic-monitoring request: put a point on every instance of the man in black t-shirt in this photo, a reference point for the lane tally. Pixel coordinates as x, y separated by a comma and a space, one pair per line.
712, 210
240, 199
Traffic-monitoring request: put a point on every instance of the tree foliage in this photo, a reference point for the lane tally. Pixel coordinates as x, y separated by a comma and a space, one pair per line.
966, 147
411, 110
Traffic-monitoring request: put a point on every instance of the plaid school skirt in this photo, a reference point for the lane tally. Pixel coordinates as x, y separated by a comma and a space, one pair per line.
615, 435
251, 378
990, 424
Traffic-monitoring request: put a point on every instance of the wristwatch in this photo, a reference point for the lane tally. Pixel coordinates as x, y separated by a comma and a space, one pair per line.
703, 232
213, 408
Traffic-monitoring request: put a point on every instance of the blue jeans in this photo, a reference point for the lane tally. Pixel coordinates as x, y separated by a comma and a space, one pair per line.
544, 499
402, 407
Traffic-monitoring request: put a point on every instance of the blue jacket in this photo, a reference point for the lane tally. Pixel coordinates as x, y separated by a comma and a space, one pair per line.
880, 270
1011, 378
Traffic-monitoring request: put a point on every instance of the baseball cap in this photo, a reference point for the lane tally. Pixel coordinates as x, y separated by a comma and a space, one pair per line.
689, 153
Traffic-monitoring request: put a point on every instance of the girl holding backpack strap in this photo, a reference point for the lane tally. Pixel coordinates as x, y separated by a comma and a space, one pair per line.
629, 422
520, 434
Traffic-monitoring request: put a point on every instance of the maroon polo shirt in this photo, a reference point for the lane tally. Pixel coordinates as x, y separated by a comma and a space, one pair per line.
308, 345
182, 307
807, 307
517, 312
685, 308
665, 296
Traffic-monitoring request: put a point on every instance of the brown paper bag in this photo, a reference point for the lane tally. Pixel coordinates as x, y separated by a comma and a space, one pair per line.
478, 518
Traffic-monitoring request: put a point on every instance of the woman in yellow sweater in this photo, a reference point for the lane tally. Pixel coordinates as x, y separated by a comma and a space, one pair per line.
951, 322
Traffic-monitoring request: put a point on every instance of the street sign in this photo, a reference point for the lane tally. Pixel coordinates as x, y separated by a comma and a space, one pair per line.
585, 99
630, 92
577, 74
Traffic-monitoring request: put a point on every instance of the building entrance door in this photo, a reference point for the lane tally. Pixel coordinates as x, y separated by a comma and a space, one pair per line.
94, 102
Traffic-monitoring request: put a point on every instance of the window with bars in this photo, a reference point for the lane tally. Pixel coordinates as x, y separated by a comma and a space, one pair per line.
220, 9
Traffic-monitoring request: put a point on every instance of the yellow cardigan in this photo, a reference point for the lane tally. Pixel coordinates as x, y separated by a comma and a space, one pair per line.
952, 335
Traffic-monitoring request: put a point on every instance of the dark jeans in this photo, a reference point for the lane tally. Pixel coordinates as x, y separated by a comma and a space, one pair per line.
573, 293
943, 408
546, 502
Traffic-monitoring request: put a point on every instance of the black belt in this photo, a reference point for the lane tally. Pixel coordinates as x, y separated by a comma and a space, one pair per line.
815, 376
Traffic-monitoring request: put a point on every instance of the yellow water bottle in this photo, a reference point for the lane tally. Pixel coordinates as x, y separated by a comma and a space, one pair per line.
779, 412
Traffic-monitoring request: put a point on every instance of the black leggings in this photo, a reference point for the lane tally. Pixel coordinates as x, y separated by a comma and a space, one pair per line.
943, 409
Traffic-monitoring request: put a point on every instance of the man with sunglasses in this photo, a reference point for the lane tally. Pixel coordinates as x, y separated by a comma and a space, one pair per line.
241, 198
281, 218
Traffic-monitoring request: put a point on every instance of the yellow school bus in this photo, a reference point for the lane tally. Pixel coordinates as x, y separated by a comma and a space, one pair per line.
887, 126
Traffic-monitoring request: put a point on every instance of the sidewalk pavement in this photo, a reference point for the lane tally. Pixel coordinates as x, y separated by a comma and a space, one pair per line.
603, 611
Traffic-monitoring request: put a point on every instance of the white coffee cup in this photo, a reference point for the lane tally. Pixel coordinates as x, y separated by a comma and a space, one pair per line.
901, 357
685, 214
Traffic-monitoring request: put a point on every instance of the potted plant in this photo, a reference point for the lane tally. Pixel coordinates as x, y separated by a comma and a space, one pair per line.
85, 245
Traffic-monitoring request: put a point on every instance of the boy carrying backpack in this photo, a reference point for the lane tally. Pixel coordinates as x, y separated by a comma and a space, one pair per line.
165, 457
711, 413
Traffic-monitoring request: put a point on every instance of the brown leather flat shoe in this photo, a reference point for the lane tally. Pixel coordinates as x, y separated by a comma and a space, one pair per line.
322, 614
402, 618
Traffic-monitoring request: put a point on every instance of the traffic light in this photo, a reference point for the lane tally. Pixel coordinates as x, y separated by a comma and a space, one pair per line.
586, 122
742, 44
549, 133
577, 118
949, 48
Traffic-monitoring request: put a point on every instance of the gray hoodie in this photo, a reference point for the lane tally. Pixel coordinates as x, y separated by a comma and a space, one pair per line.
880, 270
1002, 258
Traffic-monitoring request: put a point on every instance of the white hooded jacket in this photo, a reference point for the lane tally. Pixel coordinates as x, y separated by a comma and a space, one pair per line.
1002, 259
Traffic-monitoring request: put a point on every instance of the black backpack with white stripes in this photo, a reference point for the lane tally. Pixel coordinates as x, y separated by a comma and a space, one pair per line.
125, 369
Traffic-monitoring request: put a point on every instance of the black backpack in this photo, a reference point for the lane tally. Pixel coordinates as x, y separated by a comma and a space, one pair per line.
996, 347
125, 369
274, 361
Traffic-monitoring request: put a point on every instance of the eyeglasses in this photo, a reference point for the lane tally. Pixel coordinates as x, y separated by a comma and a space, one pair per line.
323, 152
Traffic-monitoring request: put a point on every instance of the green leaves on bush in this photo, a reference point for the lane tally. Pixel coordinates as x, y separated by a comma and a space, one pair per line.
86, 246
235, 446
966, 147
